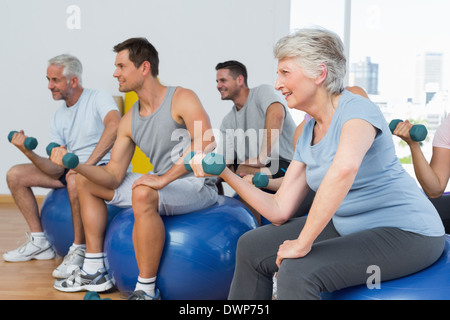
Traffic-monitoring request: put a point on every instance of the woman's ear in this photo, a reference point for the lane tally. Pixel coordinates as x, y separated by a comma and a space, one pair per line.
323, 75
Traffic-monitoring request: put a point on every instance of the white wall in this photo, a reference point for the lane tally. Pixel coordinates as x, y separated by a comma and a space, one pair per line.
192, 36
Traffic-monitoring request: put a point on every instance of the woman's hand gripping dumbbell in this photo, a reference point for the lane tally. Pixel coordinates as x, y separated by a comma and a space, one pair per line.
214, 164
417, 132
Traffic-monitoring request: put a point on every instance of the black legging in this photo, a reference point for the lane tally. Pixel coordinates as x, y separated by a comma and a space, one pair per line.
335, 261
442, 205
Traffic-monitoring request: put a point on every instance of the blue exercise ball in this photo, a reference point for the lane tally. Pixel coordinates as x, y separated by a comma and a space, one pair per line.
432, 283
56, 219
199, 253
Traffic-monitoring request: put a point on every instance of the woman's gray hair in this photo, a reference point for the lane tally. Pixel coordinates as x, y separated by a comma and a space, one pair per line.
71, 66
312, 47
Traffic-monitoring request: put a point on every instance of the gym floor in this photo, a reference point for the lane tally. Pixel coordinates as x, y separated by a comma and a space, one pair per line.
30, 280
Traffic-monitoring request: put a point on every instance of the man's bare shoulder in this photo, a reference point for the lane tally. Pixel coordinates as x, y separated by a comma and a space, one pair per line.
184, 93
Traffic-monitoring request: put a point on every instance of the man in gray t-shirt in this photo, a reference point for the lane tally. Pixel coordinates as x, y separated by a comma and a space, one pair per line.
256, 135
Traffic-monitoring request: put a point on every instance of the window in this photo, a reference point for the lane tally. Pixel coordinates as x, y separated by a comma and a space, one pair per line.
397, 51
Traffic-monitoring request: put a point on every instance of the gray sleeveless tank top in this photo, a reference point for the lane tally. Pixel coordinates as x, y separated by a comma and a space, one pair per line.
160, 137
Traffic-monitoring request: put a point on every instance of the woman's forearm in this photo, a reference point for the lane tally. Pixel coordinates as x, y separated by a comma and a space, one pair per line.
426, 176
279, 207
261, 201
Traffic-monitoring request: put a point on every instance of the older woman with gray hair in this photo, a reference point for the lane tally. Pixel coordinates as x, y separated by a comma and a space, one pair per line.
367, 210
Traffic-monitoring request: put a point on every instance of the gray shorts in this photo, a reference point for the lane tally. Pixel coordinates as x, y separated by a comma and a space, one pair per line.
181, 196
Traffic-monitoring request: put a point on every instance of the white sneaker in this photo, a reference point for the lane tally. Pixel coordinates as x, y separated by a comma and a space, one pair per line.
81, 281
73, 260
31, 250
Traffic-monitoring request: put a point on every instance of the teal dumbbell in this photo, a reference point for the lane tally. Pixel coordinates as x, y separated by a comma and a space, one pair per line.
92, 295
50, 147
260, 180
30, 142
188, 158
212, 163
418, 132
70, 160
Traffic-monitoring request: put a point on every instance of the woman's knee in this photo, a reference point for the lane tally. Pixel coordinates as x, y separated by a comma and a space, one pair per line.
296, 282
252, 250
248, 243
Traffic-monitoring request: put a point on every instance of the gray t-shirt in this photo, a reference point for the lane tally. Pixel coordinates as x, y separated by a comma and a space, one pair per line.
242, 131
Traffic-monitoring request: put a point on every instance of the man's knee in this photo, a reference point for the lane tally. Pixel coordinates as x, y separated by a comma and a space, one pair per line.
72, 183
81, 182
15, 176
145, 196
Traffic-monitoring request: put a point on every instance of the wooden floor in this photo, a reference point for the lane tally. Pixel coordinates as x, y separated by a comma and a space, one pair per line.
28, 280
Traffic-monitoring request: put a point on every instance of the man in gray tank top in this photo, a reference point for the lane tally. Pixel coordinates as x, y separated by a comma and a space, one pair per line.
161, 123
257, 133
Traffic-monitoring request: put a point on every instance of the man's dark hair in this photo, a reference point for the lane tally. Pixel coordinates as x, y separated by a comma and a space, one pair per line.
140, 50
236, 69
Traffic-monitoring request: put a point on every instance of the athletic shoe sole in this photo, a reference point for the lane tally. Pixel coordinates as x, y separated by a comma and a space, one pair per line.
40, 256
95, 287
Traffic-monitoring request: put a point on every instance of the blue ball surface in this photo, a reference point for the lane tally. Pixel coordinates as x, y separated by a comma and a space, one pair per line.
432, 283
199, 253
56, 219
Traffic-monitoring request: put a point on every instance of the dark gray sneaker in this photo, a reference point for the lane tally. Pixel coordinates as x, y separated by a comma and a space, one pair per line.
81, 281
141, 295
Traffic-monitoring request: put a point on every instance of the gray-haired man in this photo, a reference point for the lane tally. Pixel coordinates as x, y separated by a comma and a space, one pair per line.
86, 124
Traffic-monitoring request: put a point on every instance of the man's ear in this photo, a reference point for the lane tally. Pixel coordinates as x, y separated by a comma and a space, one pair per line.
74, 82
240, 80
146, 68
